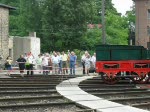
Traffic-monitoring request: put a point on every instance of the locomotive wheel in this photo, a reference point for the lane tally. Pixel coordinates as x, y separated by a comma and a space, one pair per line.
148, 78
109, 80
143, 78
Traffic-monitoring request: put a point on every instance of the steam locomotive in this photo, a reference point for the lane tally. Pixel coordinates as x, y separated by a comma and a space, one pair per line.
114, 62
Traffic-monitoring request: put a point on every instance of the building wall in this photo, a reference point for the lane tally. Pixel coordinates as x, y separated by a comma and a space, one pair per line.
142, 22
4, 32
35, 46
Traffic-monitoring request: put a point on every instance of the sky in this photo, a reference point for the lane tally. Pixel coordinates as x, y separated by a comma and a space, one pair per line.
122, 5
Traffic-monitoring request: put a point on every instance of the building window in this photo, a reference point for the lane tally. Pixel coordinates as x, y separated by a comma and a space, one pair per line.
148, 13
10, 52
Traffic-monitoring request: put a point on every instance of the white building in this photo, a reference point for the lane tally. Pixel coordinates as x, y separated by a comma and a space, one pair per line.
22, 45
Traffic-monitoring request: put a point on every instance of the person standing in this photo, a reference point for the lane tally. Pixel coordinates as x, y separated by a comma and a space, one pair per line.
72, 60
39, 63
45, 60
50, 64
30, 63
8, 64
93, 60
21, 61
55, 62
83, 60
64, 63
87, 64
60, 63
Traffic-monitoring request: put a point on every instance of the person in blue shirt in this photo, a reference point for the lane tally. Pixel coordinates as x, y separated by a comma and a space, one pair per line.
73, 58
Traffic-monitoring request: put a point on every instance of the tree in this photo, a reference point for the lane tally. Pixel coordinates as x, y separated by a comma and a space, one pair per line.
117, 30
65, 23
130, 18
62, 24
25, 18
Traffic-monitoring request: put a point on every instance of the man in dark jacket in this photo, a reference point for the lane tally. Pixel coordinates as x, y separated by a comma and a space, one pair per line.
21, 61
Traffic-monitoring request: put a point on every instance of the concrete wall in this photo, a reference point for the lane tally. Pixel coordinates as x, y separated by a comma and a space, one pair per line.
142, 21
35, 46
4, 32
23, 45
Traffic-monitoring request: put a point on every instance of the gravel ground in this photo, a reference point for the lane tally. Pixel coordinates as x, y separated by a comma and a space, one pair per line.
33, 101
68, 108
22, 90
25, 95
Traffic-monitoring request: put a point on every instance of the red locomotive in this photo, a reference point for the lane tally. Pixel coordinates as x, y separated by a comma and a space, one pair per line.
114, 62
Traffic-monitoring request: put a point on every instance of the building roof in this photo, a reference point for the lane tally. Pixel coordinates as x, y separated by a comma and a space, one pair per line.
7, 6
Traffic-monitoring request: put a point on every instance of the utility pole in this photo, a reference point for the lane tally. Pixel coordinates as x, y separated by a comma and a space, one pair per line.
103, 23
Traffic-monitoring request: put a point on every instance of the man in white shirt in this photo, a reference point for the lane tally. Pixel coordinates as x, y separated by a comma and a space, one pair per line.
45, 60
30, 61
83, 60
55, 63
93, 60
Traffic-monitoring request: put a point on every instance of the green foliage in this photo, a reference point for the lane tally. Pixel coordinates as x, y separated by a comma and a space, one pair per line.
92, 38
62, 24
66, 22
117, 32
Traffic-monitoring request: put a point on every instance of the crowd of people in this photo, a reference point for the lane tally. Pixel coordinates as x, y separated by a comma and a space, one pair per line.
57, 62
88, 62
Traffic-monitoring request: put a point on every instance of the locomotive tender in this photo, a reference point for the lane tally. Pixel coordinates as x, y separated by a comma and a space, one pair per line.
114, 62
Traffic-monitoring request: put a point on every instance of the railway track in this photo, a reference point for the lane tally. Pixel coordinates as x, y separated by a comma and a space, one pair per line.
38, 94
35, 94
126, 93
